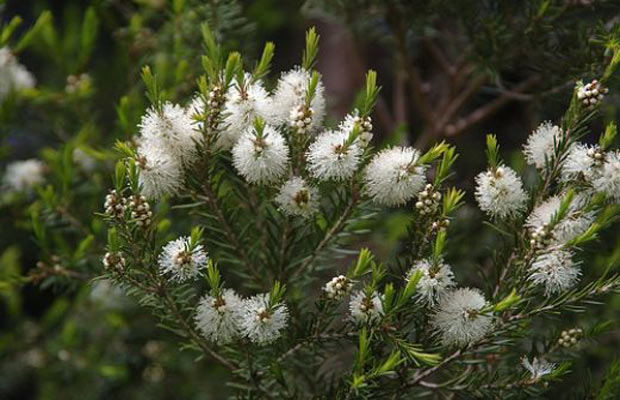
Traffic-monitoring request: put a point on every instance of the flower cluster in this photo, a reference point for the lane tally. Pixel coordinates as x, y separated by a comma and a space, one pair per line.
114, 261
499, 192
333, 156
436, 279
460, 318
591, 93
363, 125
217, 317
245, 101
582, 163
338, 287
365, 307
23, 176
115, 204
167, 143
226, 317
140, 210
276, 190
428, 200
608, 181
542, 143
261, 155
573, 224
555, 270
296, 197
289, 106
13, 75
261, 322
394, 176
180, 262
570, 337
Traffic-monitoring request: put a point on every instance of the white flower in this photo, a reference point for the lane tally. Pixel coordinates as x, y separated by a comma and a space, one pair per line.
217, 318
241, 107
500, 193
107, 294
330, 157
434, 282
393, 176
13, 75
160, 173
180, 262
365, 308
194, 109
555, 270
296, 197
541, 143
338, 287
582, 163
537, 368
87, 162
572, 225
290, 94
458, 320
261, 158
261, 324
174, 128
365, 126
608, 182
21, 176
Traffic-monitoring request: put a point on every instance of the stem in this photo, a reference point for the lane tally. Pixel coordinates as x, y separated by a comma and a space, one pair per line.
189, 329
429, 371
64, 213
330, 234
230, 234
312, 340
415, 82
160, 289
284, 242
490, 108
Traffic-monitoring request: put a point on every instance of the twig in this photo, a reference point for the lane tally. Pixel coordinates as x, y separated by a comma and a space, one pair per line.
64, 213
488, 109
439, 56
312, 340
429, 371
414, 79
333, 231
192, 332
283, 244
230, 234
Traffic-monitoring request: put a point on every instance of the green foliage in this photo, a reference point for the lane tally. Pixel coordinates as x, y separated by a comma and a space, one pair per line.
253, 247
312, 48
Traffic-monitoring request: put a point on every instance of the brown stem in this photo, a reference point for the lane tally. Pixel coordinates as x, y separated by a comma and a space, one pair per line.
189, 329
283, 244
414, 79
439, 56
228, 231
490, 108
429, 371
333, 231
312, 340
64, 213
